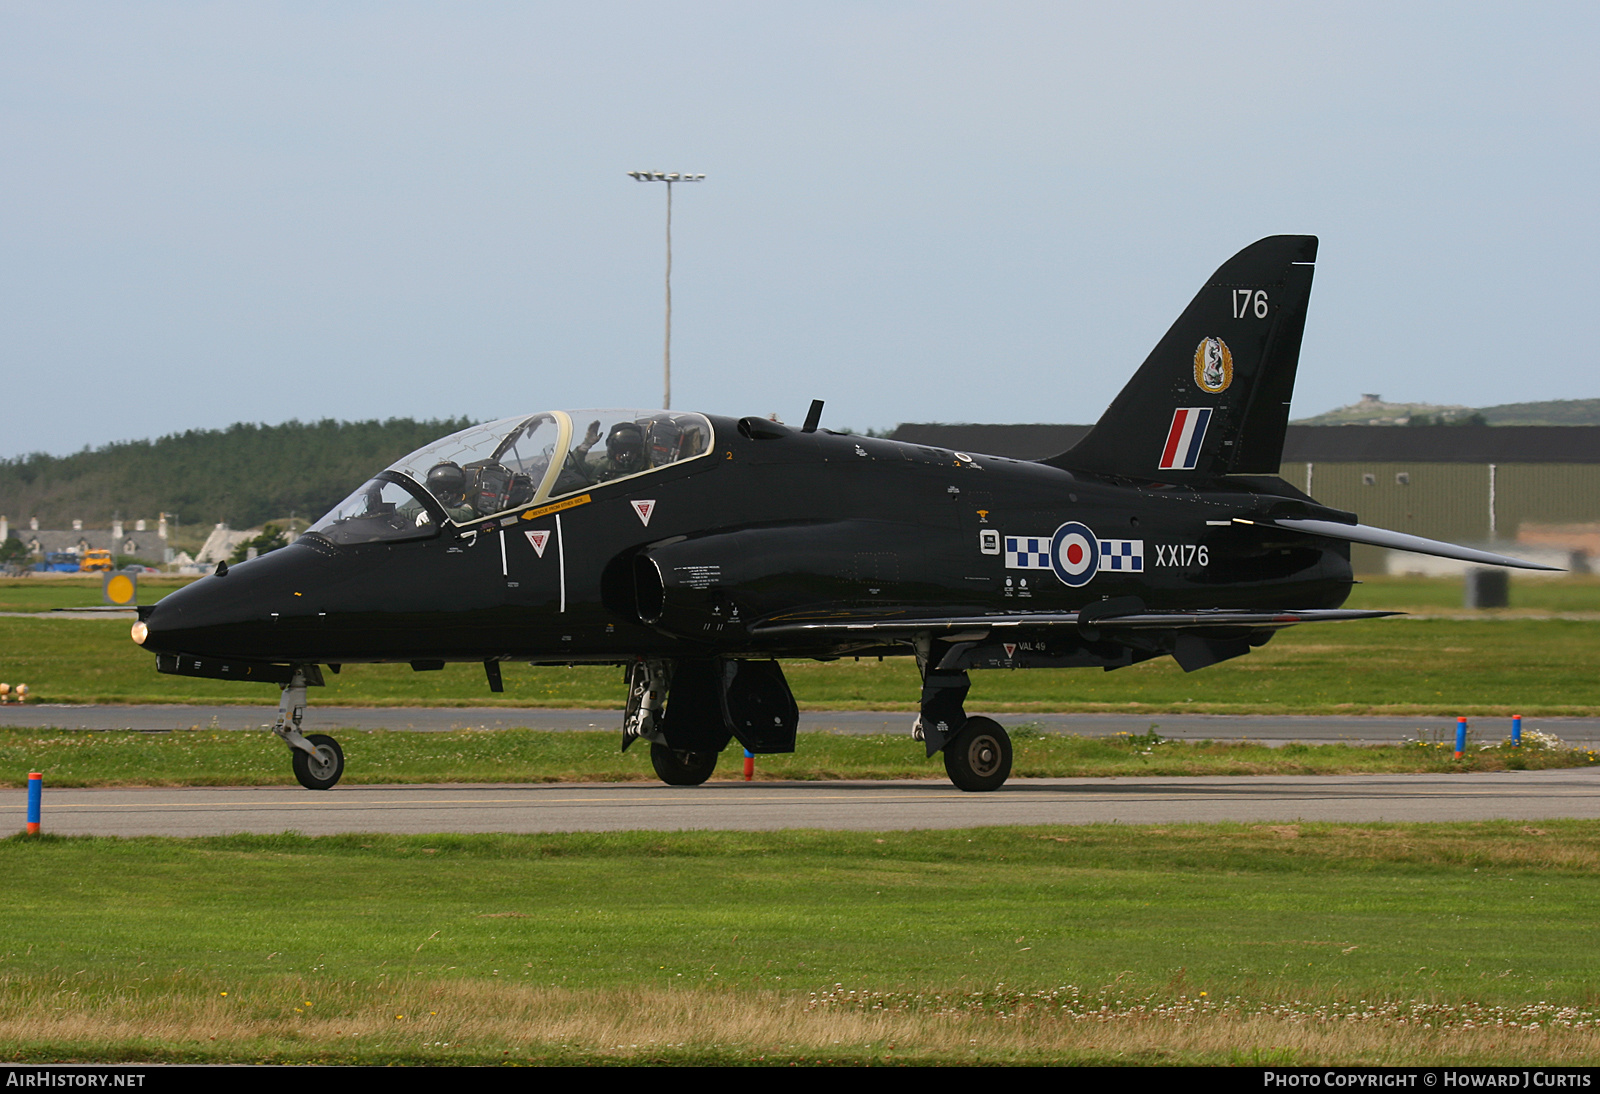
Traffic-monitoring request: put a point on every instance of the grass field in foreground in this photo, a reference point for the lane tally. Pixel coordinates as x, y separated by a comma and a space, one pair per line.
219, 758
1294, 944
1435, 666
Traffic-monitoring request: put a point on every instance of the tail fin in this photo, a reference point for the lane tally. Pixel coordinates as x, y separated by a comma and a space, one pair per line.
1213, 396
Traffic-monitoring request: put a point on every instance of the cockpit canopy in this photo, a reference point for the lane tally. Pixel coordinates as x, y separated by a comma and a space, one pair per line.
510, 464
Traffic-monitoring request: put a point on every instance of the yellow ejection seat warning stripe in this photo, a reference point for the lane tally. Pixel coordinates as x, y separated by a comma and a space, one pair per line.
556, 506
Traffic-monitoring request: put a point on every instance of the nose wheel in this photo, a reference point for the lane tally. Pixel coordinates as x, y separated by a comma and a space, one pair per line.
317, 759
318, 770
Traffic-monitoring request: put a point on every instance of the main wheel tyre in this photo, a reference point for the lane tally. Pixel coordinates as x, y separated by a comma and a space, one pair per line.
980, 756
682, 768
323, 770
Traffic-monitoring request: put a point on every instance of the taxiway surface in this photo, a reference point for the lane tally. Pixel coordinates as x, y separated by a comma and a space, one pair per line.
861, 806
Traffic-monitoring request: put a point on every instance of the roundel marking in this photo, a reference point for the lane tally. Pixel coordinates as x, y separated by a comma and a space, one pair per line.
1074, 553
1213, 365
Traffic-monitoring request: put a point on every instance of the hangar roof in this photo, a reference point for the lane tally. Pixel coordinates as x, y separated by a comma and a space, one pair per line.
1308, 443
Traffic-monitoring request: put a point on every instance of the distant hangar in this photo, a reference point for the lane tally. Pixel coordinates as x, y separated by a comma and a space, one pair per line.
1534, 485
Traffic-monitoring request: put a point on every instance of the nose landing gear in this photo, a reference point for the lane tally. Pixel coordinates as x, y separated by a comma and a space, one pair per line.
318, 770
318, 760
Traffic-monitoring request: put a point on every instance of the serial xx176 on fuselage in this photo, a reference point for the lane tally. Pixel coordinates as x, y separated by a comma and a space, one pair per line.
700, 550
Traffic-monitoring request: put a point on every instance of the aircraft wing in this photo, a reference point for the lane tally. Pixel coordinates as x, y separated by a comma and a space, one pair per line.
973, 627
1195, 639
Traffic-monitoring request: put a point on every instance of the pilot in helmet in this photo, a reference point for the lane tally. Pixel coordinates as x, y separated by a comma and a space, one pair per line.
448, 483
624, 450
664, 437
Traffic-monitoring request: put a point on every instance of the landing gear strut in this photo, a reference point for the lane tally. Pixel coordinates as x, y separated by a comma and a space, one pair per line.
977, 751
318, 760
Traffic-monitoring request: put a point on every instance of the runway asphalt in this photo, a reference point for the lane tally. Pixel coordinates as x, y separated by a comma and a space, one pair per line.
1516, 795
1271, 729
1530, 795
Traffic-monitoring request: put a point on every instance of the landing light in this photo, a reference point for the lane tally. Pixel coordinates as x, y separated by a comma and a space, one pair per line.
140, 632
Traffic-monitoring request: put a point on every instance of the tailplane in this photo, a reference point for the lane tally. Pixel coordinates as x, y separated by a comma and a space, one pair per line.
1212, 398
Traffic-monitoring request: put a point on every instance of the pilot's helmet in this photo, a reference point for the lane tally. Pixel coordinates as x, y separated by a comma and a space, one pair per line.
488, 486
447, 482
664, 436
625, 446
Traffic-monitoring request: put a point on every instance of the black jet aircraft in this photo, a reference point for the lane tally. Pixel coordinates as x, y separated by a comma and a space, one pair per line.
697, 551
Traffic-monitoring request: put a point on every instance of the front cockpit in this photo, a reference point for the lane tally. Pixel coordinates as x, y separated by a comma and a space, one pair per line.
512, 464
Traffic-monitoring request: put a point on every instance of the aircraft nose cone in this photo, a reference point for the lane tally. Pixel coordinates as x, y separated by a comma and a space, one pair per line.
232, 615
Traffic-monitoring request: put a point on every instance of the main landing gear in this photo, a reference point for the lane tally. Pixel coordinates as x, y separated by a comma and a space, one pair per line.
714, 701
677, 768
318, 760
649, 681
977, 751
978, 757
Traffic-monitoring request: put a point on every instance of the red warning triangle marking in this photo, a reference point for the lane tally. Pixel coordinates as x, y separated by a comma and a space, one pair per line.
1011, 649
644, 509
538, 539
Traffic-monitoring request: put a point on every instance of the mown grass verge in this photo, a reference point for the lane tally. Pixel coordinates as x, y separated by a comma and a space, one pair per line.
221, 758
1293, 944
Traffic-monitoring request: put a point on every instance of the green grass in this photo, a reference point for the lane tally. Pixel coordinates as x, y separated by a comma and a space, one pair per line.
221, 758
1002, 945
44, 594
1433, 667
1573, 593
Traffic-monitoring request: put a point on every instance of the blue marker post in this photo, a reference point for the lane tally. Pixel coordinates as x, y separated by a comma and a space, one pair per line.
1516, 731
35, 794
1461, 736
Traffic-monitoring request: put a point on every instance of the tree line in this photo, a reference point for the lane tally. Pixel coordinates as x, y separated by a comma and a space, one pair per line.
242, 475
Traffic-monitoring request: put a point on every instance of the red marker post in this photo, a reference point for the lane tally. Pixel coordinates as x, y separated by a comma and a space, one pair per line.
749, 765
35, 794
1461, 736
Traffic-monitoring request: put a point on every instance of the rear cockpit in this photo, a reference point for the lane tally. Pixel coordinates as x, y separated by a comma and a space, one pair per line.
509, 465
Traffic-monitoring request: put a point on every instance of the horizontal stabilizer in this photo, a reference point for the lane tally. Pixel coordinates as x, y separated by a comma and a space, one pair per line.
1400, 541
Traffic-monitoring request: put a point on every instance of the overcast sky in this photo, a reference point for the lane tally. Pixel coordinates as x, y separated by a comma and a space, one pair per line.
917, 211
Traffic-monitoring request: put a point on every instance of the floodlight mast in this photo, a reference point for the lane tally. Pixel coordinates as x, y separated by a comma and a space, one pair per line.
668, 177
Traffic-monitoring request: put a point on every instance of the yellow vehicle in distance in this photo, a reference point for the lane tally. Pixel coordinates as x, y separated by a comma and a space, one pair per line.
95, 562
